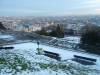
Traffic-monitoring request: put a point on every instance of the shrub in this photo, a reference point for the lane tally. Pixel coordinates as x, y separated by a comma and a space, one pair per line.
90, 39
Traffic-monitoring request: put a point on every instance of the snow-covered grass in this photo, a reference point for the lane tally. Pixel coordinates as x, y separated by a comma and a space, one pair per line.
16, 64
7, 37
24, 55
72, 39
66, 42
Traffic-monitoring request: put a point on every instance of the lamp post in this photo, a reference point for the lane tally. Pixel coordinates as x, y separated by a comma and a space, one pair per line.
38, 47
38, 44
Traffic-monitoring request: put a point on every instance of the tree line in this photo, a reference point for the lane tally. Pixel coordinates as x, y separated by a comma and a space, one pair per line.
57, 31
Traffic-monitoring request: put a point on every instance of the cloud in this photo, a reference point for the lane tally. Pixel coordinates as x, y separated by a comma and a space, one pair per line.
97, 11
93, 1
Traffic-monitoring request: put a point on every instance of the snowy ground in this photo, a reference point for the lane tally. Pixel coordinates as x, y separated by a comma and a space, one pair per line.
23, 60
27, 50
65, 54
66, 42
9, 37
72, 39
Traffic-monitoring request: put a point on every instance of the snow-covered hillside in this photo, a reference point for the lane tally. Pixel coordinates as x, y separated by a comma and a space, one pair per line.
45, 65
66, 42
24, 60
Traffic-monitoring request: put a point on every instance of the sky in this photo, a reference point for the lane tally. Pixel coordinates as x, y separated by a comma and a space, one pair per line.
49, 7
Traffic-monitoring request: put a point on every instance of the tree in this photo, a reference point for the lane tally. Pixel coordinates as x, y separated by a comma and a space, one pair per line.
90, 39
58, 32
42, 32
1, 26
91, 35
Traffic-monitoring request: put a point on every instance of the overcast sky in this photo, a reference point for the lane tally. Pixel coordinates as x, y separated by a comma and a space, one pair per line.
48, 7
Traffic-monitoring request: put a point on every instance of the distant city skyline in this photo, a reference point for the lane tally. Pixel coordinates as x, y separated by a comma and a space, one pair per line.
49, 7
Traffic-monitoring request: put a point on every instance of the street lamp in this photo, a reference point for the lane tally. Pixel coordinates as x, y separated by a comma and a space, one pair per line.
38, 43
